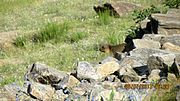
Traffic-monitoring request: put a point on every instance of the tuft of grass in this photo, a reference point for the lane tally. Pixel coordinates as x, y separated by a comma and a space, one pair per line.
75, 37
20, 41
104, 17
115, 38
52, 31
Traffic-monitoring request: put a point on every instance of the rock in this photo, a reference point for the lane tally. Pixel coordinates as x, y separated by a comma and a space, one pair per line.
171, 47
107, 67
116, 9
86, 71
167, 58
167, 21
175, 68
173, 12
43, 74
174, 39
154, 76
171, 77
157, 62
127, 74
164, 31
143, 43
40, 91
72, 81
112, 78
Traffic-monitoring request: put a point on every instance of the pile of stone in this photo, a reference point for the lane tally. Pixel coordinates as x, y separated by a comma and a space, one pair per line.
155, 60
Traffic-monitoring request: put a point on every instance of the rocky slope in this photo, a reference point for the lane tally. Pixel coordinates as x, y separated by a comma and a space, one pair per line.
134, 76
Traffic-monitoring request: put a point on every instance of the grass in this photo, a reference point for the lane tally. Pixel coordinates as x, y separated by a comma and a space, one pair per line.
64, 32
52, 31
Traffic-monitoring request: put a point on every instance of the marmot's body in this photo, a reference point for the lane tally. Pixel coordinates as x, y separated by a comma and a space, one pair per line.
112, 49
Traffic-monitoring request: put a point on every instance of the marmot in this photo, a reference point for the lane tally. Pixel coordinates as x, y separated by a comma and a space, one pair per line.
112, 48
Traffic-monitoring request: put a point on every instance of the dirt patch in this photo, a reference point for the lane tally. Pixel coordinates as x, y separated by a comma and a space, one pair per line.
6, 39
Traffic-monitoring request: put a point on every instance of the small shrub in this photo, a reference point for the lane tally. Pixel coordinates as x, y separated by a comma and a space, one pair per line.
20, 41
140, 15
104, 17
172, 3
115, 38
75, 37
52, 31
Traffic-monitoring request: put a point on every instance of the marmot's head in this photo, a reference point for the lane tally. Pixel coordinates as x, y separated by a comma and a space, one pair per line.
105, 48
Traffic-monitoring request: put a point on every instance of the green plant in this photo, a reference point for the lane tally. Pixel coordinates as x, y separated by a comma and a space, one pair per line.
115, 38
140, 15
172, 3
104, 17
111, 96
20, 41
75, 37
52, 31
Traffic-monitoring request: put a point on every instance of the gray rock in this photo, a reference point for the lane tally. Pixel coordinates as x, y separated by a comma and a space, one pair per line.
156, 62
43, 74
127, 74
174, 39
168, 21
86, 71
167, 58
143, 53
144, 43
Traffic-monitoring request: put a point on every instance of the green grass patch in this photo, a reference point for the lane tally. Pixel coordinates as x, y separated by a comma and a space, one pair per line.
105, 18
9, 5
115, 38
52, 31
20, 41
75, 37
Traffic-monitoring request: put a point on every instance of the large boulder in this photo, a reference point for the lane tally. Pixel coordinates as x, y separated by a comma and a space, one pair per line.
116, 9
43, 74
144, 43
162, 62
167, 21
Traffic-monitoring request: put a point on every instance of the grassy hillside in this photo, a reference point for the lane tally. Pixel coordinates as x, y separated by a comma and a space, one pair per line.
80, 27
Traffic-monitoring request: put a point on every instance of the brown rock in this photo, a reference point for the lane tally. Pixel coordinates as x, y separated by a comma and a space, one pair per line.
41, 91
72, 81
107, 68
116, 8
171, 47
